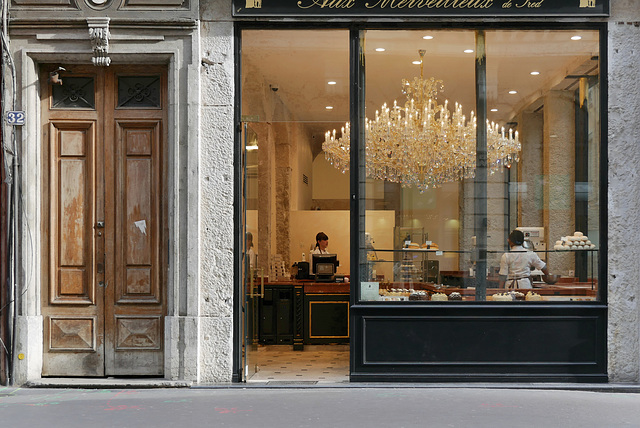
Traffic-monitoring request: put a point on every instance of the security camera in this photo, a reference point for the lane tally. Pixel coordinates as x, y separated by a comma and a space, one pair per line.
274, 87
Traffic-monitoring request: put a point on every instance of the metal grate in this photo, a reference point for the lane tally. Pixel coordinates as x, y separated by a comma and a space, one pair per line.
305, 179
74, 93
138, 91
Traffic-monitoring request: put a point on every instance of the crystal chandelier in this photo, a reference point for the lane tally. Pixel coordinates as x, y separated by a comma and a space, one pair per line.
423, 144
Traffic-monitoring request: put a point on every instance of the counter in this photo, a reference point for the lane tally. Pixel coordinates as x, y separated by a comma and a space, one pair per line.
304, 313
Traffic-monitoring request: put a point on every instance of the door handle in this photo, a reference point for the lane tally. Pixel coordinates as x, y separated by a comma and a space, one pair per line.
261, 283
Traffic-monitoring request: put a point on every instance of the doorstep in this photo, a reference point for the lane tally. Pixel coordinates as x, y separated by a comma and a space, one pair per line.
107, 382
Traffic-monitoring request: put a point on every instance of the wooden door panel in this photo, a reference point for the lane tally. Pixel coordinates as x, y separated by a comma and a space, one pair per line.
136, 322
73, 344
140, 216
72, 334
72, 212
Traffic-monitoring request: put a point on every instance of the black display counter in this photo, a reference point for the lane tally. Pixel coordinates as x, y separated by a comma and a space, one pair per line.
302, 313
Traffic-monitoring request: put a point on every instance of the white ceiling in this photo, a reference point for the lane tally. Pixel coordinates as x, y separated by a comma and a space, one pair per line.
301, 62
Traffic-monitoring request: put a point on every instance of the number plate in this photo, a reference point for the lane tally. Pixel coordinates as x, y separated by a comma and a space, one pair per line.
15, 118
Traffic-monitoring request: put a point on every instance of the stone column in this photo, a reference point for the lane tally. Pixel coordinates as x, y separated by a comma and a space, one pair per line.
530, 178
559, 172
623, 194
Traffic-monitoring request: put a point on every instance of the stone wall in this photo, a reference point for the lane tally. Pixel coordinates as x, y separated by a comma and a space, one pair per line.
623, 191
216, 180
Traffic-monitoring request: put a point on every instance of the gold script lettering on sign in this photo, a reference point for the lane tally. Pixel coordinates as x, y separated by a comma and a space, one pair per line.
529, 3
430, 4
331, 4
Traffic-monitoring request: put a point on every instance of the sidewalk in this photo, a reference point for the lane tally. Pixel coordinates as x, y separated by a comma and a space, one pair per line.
387, 405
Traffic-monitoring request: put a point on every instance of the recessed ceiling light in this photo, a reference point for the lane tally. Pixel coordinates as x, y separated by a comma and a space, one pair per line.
416, 62
535, 73
427, 37
468, 51
250, 148
494, 109
329, 107
576, 38
380, 49
513, 92
331, 82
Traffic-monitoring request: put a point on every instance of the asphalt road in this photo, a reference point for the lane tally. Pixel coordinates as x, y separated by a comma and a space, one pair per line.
316, 407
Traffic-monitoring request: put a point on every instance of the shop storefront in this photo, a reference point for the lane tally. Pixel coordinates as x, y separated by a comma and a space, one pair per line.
418, 148
179, 159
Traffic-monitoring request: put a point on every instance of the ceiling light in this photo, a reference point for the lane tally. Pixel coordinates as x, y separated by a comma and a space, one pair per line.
416, 62
250, 148
468, 51
576, 38
329, 107
427, 37
422, 143
380, 49
331, 82
535, 73
494, 109
513, 92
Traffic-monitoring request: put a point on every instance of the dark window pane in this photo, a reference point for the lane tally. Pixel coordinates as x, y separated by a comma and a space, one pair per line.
75, 92
138, 91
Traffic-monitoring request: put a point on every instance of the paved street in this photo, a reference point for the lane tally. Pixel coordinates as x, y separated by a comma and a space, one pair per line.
316, 407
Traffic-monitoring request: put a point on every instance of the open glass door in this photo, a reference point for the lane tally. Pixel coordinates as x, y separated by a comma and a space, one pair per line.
291, 192
253, 282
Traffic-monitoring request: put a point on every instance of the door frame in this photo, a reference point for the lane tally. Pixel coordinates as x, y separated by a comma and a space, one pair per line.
109, 305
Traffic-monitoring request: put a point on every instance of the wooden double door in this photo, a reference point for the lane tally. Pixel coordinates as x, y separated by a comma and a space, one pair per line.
104, 220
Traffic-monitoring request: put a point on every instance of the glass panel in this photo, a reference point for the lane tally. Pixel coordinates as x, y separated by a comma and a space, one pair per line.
138, 91
74, 93
435, 228
546, 85
295, 88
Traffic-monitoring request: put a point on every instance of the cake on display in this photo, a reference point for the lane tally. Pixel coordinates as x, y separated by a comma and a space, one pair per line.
577, 241
439, 297
531, 296
455, 296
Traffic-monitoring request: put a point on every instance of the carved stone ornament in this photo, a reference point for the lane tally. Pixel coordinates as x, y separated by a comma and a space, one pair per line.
99, 35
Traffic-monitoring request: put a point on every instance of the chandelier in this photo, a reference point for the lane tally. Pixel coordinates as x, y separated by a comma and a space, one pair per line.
423, 144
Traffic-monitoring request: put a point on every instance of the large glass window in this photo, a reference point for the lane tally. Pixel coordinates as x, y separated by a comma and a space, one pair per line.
443, 189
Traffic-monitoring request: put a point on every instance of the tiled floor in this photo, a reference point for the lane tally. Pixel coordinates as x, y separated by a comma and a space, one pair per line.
316, 363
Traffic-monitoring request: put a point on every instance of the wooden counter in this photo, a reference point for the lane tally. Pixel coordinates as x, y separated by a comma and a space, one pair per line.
304, 312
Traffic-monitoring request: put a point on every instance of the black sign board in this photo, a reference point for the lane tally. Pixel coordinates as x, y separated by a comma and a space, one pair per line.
419, 8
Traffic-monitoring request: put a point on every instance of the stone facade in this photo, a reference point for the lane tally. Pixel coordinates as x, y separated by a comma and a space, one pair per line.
199, 48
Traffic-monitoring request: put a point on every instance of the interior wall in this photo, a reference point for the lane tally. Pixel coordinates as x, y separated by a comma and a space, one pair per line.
330, 186
306, 224
303, 167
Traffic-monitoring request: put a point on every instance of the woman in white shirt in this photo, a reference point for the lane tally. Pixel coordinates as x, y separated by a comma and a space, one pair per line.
516, 265
322, 242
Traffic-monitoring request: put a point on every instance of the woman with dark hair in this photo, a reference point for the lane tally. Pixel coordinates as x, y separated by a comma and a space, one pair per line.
251, 255
322, 242
516, 265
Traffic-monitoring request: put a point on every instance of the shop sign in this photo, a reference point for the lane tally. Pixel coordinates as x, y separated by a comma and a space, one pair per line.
420, 8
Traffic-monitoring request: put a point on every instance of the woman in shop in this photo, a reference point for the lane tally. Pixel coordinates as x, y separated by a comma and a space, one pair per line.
322, 242
251, 255
516, 265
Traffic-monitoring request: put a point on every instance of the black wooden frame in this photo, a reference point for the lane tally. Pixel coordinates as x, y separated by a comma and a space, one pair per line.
550, 332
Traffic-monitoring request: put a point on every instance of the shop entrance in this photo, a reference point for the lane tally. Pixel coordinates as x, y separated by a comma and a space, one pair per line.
295, 320
104, 220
